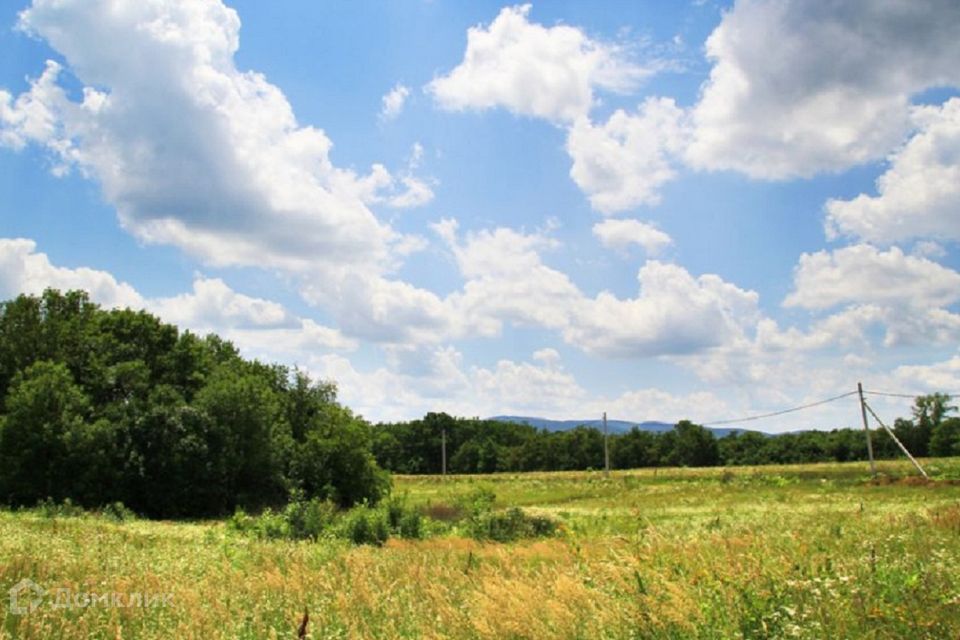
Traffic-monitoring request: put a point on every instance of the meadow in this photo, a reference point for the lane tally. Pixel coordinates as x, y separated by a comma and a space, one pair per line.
803, 551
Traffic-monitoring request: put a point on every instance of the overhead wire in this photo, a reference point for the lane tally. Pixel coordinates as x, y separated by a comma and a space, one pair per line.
810, 405
782, 411
911, 396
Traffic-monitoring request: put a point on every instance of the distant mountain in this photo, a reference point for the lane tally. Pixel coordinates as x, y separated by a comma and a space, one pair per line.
614, 426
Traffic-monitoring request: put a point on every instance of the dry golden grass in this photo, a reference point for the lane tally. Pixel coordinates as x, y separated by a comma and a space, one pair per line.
804, 552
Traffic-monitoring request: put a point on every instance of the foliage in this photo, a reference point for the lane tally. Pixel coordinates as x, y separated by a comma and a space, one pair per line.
806, 551
106, 406
484, 523
487, 446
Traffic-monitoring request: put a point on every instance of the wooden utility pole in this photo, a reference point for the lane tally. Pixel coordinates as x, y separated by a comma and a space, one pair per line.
897, 440
443, 447
606, 447
866, 430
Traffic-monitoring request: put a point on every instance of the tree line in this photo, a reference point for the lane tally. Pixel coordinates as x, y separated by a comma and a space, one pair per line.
103, 406
487, 446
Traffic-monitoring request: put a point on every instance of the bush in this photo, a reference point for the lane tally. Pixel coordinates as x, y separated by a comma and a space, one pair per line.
510, 525
403, 520
49, 508
483, 523
309, 519
117, 512
363, 525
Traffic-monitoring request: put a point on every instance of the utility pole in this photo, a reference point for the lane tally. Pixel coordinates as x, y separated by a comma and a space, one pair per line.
866, 430
606, 447
897, 440
443, 440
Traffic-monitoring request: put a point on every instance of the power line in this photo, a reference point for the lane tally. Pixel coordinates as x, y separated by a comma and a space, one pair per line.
890, 395
911, 396
782, 411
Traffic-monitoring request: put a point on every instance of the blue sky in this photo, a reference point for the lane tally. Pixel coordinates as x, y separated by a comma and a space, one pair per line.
660, 210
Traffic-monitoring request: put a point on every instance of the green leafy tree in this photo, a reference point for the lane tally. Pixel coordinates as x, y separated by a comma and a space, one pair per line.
334, 461
928, 412
945, 440
249, 413
695, 445
45, 436
175, 462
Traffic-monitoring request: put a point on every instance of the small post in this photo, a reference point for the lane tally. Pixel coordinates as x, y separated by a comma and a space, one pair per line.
866, 430
443, 440
606, 447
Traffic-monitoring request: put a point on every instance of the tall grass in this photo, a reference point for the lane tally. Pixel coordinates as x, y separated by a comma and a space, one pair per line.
811, 551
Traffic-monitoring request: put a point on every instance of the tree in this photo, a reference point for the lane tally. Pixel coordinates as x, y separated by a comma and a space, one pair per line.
695, 445
248, 412
928, 412
174, 459
334, 461
945, 440
634, 449
45, 436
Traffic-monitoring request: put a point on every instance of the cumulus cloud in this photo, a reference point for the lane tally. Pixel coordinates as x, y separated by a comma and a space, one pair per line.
865, 274
623, 163
674, 312
206, 157
23, 270
795, 89
394, 101
941, 376
906, 295
619, 235
437, 380
802, 87
547, 72
213, 304
919, 195
257, 326
195, 153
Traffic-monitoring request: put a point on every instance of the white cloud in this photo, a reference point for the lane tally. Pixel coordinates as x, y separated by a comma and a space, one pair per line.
943, 377
257, 326
394, 101
437, 380
919, 195
801, 87
673, 313
547, 72
207, 158
623, 163
195, 153
23, 270
619, 235
865, 274
506, 280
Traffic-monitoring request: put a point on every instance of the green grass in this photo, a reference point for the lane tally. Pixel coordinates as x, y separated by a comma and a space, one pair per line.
806, 551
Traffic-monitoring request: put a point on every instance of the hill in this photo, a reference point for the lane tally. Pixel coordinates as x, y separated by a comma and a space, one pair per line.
614, 426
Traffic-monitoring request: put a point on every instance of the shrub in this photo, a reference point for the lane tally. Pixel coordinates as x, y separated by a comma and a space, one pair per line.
117, 512
403, 520
308, 519
483, 523
510, 525
363, 525
49, 508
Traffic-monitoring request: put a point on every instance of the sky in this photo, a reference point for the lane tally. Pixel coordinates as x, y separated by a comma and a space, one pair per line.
700, 210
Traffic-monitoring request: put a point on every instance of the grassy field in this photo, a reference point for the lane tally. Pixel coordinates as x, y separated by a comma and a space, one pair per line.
809, 551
